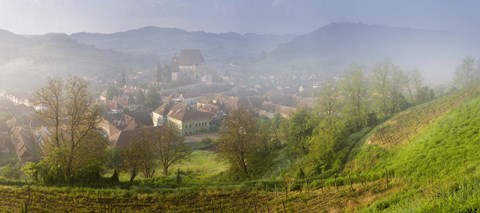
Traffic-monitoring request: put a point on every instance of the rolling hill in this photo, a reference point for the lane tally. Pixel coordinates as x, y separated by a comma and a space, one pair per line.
325, 51
329, 49
26, 61
163, 43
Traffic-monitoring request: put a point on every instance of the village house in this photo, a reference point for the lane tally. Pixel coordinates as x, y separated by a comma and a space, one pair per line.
229, 103
112, 124
124, 138
269, 110
129, 99
160, 115
186, 117
26, 144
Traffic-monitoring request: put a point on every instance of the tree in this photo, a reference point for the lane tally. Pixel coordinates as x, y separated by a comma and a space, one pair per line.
132, 158
381, 83
157, 144
152, 99
399, 81
353, 87
74, 146
238, 143
300, 128
277, 123
414, 86
123, 80
170, 147
326, 141
112, 92
115, 163
465, 75
388, 86
139, 97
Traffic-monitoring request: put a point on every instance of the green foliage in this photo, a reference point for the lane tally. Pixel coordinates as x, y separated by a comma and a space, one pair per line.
11, 171
112, 92
441, 160
388, 83
152, 99
354, 87
242, 146
299, 129
31, 170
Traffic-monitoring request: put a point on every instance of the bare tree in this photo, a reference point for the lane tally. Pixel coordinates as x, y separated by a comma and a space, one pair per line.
414, 85
132, 158
72, 119
237, 143
381, 81
241, 145
170, 146
465, 75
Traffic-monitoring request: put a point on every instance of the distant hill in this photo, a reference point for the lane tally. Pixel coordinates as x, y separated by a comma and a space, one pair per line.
326, 51
331, 48
163, 43
25, 61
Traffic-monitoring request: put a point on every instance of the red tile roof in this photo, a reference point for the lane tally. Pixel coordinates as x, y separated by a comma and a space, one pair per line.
123, 138
184, 112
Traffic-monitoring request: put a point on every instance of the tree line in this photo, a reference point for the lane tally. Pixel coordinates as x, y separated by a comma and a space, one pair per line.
356, 100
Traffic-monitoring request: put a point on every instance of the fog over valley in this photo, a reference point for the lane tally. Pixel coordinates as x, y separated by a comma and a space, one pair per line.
28, 59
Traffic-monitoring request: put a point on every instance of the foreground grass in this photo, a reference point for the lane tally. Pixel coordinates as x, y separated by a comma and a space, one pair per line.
201, 168
202, 164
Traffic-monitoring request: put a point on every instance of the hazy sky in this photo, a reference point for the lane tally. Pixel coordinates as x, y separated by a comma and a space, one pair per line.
259, 16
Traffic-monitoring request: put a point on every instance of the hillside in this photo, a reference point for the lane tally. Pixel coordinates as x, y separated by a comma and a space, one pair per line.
325, 51
26, 61
163, 43
329, 49
433, 149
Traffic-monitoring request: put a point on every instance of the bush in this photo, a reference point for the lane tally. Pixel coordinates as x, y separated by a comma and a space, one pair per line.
12, 171
89, 174
31, 171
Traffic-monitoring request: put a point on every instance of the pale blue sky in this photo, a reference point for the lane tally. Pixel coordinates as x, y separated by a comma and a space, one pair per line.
259, 16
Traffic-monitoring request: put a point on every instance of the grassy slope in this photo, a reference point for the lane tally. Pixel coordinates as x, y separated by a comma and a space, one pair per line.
438, 161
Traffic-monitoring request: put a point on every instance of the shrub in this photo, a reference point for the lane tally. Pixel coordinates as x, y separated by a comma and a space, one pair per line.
12, 171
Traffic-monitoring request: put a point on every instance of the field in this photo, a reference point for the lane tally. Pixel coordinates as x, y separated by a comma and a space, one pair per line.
53, 199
